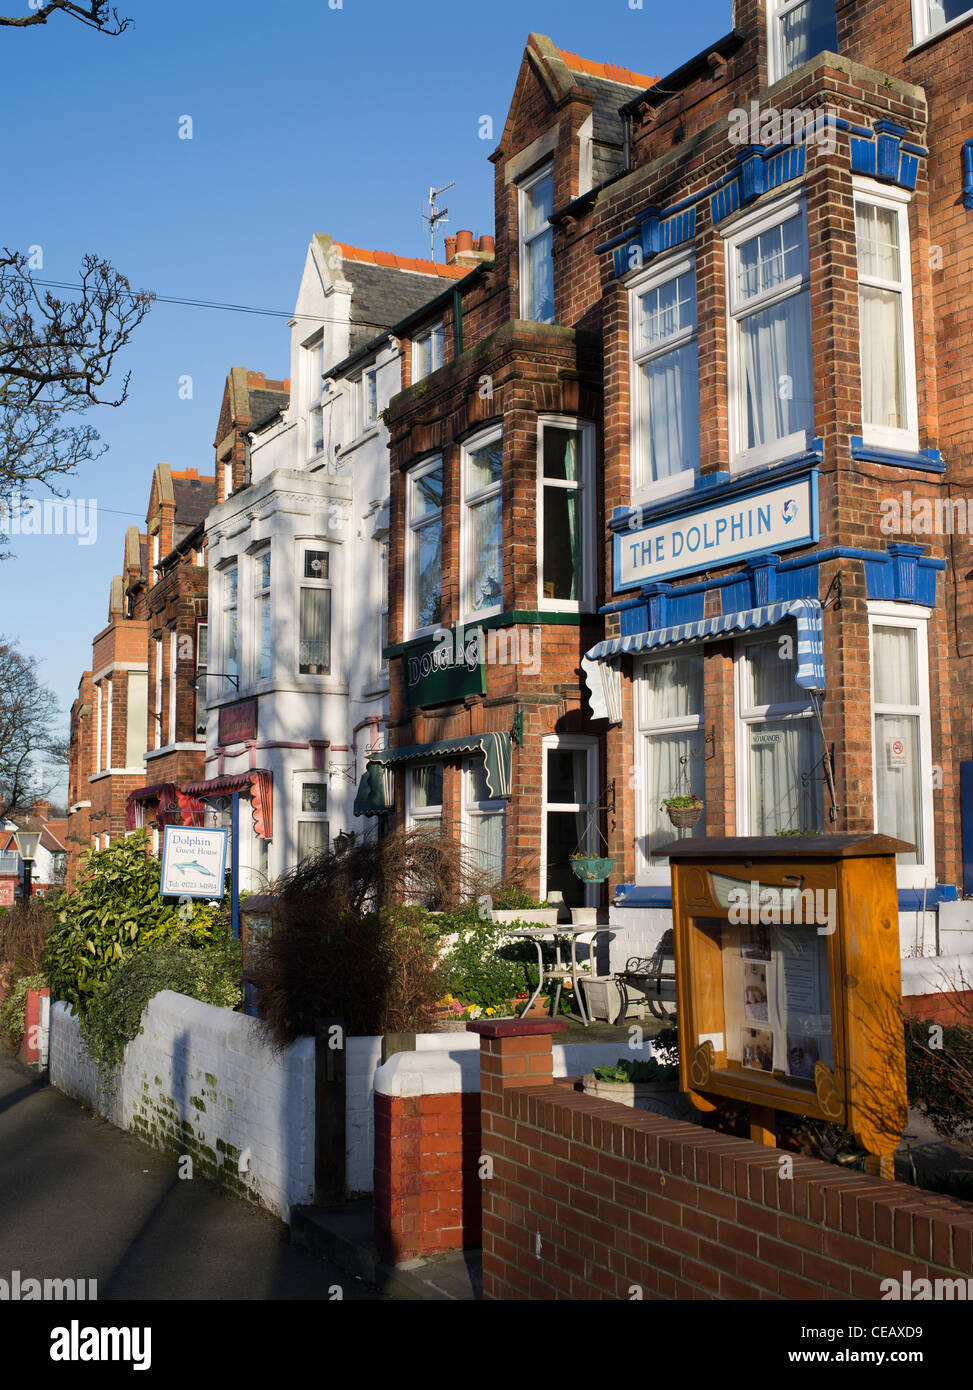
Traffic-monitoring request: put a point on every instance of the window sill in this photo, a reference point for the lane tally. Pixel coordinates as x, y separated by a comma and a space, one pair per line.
928, 460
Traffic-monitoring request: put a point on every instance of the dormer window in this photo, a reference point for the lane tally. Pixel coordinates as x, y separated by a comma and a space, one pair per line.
427, 352
536, 203
799, 29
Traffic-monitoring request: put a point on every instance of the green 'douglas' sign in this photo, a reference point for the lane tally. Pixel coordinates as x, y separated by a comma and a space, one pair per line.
444, 668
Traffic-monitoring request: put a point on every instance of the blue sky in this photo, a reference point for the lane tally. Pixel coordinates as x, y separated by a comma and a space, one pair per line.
305, 119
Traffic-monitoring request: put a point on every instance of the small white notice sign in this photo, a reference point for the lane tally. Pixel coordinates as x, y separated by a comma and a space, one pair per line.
193, 862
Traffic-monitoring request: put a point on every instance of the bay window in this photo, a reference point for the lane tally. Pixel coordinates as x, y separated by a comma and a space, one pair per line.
424, 797
665, 386
901, 746
230, 645
427, 352
483, 826
570, 794
930, 17
314, 614
535, 196
424, 547
769, 352
799, 30
261, 614
312, 819
779, 747
889, 409
565, 561
669, 695
481, 526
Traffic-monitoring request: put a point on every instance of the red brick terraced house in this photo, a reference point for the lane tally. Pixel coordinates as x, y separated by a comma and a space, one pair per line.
784, 267
495, 521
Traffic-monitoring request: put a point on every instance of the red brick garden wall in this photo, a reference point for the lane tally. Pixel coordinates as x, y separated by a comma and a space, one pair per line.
592, 1201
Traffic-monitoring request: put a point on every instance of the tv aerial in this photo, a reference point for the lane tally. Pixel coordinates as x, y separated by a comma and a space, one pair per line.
435, 215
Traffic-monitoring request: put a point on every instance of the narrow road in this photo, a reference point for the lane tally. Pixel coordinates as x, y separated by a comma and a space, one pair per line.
80, 1199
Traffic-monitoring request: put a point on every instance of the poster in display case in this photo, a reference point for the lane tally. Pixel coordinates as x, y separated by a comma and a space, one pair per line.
788, 980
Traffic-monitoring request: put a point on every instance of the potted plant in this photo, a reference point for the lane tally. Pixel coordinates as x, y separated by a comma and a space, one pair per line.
650, 1085
684, 811
591, 868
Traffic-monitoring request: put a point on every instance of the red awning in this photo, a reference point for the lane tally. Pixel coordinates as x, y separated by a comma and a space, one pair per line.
258, 784
162, 792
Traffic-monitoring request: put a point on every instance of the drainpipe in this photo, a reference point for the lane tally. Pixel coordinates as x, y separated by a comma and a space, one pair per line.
968, 175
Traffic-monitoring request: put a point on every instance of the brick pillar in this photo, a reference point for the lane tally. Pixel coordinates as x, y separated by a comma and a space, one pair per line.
513, 1052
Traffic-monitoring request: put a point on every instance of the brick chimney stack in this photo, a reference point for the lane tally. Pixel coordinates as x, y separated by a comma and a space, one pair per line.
462, 249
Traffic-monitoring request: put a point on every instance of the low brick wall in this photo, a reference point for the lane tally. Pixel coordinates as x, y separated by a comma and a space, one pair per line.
593, 1201
33, 1049
199, 1081
427, 1176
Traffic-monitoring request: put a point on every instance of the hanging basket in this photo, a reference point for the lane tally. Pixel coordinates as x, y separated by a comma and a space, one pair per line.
685, 817
590, 868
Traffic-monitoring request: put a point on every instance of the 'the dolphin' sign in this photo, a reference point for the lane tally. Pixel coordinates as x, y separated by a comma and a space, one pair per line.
703, 537
193, 862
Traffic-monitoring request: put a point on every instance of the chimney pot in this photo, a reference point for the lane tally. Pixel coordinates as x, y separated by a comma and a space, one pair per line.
486, 244
464, 242
450, 244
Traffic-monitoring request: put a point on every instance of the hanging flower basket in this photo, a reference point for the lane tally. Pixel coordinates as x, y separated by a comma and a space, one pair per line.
591, 868
684, 811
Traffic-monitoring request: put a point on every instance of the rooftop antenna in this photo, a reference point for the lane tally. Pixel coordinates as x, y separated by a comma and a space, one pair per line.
436, 215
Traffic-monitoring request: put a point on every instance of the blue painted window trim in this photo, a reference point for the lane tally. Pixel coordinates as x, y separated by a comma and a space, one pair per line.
660, 895
927, 460
883, 153
903, 574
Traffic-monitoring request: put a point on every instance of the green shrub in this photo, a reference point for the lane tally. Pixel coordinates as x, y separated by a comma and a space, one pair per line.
210, 972
511, 896
651, 1071
14, 1006
114, 911
940, 1079
485, 966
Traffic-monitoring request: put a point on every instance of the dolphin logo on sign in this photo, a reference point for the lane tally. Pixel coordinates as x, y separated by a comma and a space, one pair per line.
789, 510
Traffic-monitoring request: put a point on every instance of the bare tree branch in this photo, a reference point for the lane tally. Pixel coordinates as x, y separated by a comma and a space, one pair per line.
56, 356
96, 14
29, 729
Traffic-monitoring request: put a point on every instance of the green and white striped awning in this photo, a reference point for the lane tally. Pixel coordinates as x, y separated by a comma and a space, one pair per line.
376, 790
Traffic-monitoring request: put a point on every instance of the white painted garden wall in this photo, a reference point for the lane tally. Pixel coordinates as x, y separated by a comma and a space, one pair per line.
199, 1081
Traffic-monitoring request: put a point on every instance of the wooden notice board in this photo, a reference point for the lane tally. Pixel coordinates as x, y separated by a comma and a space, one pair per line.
788, 980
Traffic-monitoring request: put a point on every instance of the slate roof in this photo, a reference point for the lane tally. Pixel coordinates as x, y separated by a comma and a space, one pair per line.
194, 497
264, 402
383, 295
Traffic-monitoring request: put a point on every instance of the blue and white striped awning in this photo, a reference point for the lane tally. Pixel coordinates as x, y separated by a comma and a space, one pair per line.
810, 638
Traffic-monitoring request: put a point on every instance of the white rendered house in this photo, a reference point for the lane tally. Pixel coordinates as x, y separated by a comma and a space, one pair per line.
297, 690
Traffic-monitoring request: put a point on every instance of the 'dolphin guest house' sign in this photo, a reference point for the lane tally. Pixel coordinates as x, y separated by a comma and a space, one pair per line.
699, 537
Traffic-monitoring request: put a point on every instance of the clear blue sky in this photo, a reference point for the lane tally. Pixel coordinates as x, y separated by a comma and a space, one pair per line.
305, 119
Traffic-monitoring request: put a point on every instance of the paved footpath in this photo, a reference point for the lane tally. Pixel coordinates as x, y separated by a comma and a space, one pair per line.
80, 1199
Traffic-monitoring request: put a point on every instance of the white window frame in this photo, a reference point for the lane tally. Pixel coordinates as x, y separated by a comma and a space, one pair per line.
586, 512
225, 610
157, 702
383, 611
743, 230
413, 527
642, 488
315, 817
423, 341
471, 811
746, 715
201, 670
315, 394
568, 742
908, 615
227, 478
261, 598
651, 871
368, 390
777, 10
302, 581
524, 241
173, 658
415, 815
922, 21
897, 201
586, 142
468, 500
